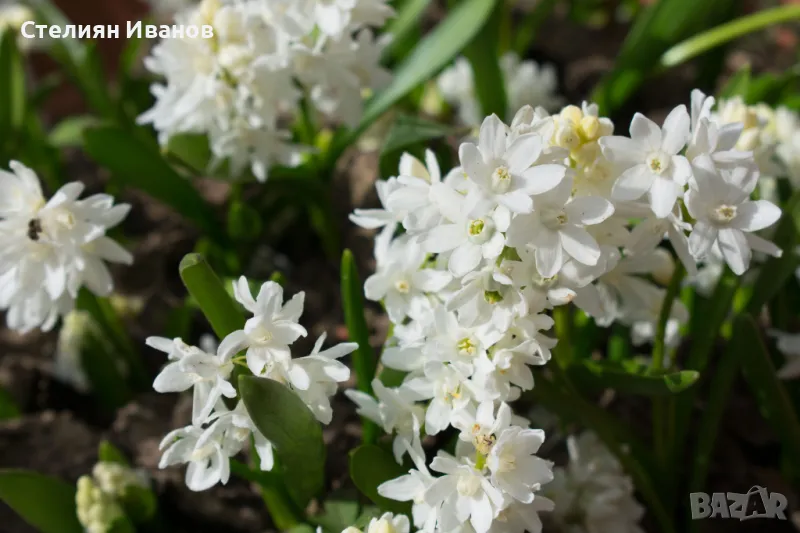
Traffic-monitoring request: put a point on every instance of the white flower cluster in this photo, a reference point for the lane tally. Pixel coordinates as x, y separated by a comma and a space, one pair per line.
543, 212
245, 85
49, 249
592, 493
98, 497
387, 523
217, 432
526, 83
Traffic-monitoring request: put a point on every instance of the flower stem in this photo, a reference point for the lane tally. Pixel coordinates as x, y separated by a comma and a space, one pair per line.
673, 289
563, 329
707, 40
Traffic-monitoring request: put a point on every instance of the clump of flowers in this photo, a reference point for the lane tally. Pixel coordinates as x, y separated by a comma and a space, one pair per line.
100, 498
592, 493
541, 212
220, 429
244, 86
50, 249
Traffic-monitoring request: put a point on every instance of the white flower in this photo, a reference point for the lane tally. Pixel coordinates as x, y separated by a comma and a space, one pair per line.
480, 426
50, 249
529, 83
447, 386
388, 217
471, 231
314, 377
206, 373
335, 16
652, 160
464, 492
415, 196
515, 469
504, 173
789, 345
556, 228
400, 282
395, 409
724, 214
273, 327
592, 491
208, 462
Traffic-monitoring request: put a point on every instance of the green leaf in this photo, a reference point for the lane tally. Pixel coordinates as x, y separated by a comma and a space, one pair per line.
8, 408
661, 25
774, 273
482, 54
408, 130
770, 392
221, 310
44, 502
79, 59
244, 222
435, 51
631, 377
737, 84
364, 359
337, 515
294, 431
112, 330
136, 164
69, 132
12, 89
191, 149
108, 453
101, 364
403, 24
369, 467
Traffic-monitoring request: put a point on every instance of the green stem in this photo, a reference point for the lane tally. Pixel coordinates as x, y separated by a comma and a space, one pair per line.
707, 40
281, 509
563, 328
661, 410
659, 348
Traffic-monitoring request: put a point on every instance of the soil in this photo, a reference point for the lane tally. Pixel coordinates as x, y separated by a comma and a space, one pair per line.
60, 429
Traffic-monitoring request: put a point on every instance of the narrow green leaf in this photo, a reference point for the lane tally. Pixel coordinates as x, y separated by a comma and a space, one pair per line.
707, 40
8, 408
113, 331
659, 26
630, 377
69, 132
370, 466
403, 24
774, 273
80, 59
725, 374
364, 360
283, 512
12, 90
408, 130
191, 149
100, 363
284, 419
136, 164
44, 502
244, 222
222, 311
526, 33
483, 55
738, 84
770, 392
358, 332
108, 453
435, 51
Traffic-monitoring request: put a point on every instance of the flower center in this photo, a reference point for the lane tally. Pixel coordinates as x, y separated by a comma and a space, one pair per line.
466, 346
658, 162
492, 297
483, 442
402, 286
262, 335
501, 179
479, 230
34, 229
468, 485
543, 283
724, 213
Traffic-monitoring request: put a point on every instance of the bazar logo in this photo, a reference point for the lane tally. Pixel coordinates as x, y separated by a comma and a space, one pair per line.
758, 502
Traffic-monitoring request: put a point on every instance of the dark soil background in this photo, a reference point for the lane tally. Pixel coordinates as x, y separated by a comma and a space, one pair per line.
60, 429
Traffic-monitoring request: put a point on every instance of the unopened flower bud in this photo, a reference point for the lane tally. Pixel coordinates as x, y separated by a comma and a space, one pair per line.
572, 113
